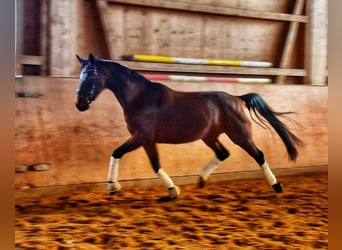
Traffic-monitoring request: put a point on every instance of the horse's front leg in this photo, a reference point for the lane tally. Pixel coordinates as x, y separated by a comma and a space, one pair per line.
152, 153
130, 145
113, 184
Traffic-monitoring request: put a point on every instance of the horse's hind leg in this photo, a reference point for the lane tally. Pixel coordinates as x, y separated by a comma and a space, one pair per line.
240, 132
245, 141
221, 154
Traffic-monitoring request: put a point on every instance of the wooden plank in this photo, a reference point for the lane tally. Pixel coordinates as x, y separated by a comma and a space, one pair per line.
91, 34
212, 9
114, 31
44, 45
20, 34
63, 36
185, 34
316, 47
137, 31
161, 25
31, 60
205, 69
290, 40
142, 30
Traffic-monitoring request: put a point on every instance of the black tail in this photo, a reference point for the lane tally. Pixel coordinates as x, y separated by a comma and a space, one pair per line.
258, 105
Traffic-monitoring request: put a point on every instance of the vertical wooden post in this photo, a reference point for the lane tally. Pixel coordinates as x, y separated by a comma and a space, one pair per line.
113, 28
290, 40
44, 20
316, 42
63, 36
19, 38
102, 6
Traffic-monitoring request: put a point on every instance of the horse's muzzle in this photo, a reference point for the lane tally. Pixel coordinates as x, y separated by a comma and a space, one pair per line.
82, 104
82, 107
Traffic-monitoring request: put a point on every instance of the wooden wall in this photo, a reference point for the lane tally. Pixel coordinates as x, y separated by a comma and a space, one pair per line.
256, 30
78, 144
289, 33
176, 33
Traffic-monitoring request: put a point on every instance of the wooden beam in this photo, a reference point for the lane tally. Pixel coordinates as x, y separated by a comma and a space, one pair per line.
316, 42
20, 35
205, 69
31, 60
63, 36
290, 40
102, 6
212, 9
44, 36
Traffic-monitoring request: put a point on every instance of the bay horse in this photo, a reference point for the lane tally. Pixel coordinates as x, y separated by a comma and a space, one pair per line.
155, 113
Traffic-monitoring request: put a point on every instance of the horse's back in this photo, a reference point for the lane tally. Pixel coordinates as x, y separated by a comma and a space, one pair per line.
188, 116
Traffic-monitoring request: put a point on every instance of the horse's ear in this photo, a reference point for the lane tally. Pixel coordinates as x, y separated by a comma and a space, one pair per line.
92, 59
82, 61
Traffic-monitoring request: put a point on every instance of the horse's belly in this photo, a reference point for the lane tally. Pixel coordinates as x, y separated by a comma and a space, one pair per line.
175, 138
182, 130
188, 118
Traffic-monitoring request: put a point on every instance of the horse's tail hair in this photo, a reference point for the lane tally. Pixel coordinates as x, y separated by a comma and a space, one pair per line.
256, 103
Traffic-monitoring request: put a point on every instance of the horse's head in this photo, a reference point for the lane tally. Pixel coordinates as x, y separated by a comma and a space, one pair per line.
90, 84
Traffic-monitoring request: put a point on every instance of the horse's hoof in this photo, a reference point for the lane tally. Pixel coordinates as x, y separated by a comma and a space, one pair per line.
174, 192
113, 187
201, 182
278, 187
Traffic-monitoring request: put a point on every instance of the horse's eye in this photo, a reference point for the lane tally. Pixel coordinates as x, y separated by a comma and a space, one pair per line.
77, 91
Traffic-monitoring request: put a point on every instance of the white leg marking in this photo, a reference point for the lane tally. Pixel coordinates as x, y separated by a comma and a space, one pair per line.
113, 169
164, 177
113, 184
209, 168
174, 190
271, 179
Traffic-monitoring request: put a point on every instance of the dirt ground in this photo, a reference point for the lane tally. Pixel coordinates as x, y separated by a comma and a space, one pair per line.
239, 214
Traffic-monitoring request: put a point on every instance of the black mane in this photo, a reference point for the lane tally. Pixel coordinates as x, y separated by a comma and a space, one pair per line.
123, 71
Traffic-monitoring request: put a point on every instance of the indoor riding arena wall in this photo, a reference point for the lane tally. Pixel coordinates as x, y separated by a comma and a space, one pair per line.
291, 35
78, 145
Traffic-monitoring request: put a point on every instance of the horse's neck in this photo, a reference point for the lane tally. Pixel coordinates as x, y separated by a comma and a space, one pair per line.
125, 88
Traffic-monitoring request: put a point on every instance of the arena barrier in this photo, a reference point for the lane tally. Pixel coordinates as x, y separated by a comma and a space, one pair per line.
77, 145
185, 78
220, 62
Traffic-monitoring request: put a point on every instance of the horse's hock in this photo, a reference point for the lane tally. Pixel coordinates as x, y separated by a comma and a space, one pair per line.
77, 145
